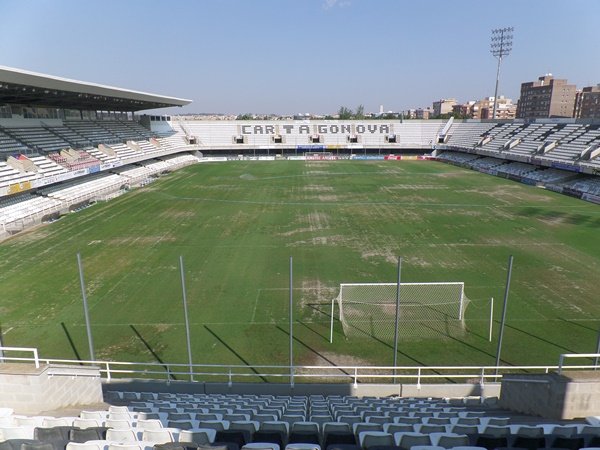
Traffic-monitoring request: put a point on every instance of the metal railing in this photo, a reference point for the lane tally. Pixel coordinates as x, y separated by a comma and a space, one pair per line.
564, 356
34, 351
231, 373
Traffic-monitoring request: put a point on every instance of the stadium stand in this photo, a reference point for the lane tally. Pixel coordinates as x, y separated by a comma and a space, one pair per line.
143, 419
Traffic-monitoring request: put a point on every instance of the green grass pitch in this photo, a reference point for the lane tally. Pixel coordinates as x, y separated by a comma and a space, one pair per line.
236, 225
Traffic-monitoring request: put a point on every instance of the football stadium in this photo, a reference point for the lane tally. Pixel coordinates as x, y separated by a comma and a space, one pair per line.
297, 284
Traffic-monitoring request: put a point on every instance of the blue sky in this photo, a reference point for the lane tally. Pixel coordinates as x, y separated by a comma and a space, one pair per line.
290, 56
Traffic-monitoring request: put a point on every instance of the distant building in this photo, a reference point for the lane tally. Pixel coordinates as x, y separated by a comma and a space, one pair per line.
546, 97
484, 108
505, 108
587, 105
423, 114
443, 106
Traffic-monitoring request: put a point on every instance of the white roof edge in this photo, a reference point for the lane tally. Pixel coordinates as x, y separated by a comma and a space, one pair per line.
21, 76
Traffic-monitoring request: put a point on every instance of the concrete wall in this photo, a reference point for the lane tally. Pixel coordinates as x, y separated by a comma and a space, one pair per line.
567, 396
30, 391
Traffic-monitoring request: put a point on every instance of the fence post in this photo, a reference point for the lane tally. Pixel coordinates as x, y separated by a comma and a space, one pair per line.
560, 363
482, 379
107, 371
230, 380
419, 378
356, 377
35, 357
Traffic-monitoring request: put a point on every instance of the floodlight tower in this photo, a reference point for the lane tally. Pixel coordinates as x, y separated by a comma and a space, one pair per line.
501, 45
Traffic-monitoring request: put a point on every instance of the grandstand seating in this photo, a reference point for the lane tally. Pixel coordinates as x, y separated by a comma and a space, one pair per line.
9, 145
403, 423
78, 191
9, 175
17, 212
39, 139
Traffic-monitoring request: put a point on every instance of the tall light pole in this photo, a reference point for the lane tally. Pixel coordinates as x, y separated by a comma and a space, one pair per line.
501, 45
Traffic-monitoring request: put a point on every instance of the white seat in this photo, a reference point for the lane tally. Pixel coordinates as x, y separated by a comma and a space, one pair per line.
118, 423
149, 424
90, 445
98, 415
159, 436
50, 422
121, 435
20, 432
87, 423
123, 446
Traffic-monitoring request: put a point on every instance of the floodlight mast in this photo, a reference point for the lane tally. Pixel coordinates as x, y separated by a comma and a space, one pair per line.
501, 45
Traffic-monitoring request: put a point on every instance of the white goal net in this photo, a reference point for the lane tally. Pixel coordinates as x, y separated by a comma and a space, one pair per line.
426, 309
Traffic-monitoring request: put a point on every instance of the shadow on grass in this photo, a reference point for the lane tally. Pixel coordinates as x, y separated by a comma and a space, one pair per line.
236, 354
572, 322
568, 350
152, 352
320, 355
71, 342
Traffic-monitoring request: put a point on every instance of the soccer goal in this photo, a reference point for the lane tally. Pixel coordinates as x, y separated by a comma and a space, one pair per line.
319, 156
426, 309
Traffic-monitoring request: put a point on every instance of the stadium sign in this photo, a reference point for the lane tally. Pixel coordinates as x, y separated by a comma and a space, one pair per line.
333, 128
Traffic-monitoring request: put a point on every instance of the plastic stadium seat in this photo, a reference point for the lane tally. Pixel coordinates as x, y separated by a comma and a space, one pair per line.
305, 427
272, 437
121, 435
239, 437
528, 431
18, 444
569, 442
449, 440
125, 446
407, 439
198, 436
159, 436
176, 446
180, 424
358, 428
244, 425
84, 446
304, 437
369, 439
261, 446
337, 438
529, 442
18, 432
275, 425
118, 423
564, 430
81, 435
301, 446
58, 436
493, 430
468, 447
468, 421
87, 423
343, 447
490, 441
217, 425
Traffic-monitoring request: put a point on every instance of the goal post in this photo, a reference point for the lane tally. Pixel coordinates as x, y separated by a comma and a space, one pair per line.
370, 308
